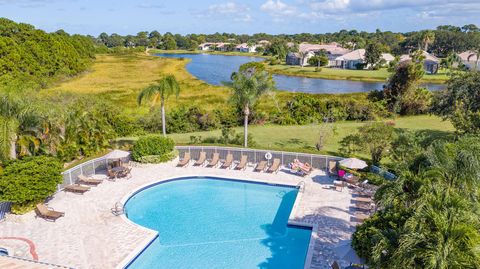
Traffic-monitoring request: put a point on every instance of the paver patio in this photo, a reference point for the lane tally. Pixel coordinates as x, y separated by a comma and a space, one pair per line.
90, 236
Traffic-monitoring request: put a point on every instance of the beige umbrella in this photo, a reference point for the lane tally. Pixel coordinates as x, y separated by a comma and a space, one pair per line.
117, 154
353, 163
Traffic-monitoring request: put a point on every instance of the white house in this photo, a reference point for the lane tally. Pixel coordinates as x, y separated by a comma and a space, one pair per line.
353, 58
332, 50
296, 58
431, 63
244, 47
205, 46
470, 59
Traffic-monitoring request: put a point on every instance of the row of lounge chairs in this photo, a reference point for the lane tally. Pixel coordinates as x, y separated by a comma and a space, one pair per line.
228, 163
83, 185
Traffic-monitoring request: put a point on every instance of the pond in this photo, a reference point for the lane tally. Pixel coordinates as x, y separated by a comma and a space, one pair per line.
215, 69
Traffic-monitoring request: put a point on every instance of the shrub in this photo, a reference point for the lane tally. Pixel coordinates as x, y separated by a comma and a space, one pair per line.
153, 145
29, 181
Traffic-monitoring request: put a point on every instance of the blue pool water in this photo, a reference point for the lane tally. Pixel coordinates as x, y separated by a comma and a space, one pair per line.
209, 223
215, 69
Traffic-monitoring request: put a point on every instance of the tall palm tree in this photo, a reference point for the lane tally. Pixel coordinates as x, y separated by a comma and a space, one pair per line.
248, 85
17, 119
160, 92
427, 38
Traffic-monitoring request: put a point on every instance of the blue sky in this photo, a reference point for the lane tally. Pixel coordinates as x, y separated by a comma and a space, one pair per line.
244, 16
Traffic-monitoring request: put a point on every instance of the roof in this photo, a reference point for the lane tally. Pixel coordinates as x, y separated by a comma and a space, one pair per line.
330, 48
353, 55
244, 46
468, 56
359, 54
428, 57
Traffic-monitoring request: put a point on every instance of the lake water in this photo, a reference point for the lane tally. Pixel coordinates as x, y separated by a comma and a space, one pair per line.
215, 69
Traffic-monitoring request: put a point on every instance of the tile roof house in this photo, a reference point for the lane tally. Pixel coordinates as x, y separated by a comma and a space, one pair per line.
295, 58
353, 58
244, 47
431, 63
470, 59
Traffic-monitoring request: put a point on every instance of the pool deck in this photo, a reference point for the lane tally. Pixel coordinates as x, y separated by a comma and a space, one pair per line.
90, 236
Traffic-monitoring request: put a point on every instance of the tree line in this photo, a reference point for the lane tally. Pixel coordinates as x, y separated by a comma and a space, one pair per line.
34, 57
442, 41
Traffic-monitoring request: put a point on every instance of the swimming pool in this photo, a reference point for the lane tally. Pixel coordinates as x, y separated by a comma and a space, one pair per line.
206, 222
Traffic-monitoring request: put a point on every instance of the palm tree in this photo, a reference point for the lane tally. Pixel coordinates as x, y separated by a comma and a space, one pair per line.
427, 38
17, 124
248, 85
159, 92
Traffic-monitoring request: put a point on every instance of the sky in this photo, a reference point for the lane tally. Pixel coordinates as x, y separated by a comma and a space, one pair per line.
240, 17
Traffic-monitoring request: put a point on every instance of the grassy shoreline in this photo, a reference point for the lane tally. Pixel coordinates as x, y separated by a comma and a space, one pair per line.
381, 75
309, 72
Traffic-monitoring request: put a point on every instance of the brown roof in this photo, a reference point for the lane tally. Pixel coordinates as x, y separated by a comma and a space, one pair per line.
330, 48
468, 56
428, 57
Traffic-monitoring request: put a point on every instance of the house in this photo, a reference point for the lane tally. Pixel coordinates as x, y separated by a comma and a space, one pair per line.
244, 47
470, 59
205, 46
431, 63
352, 59
332, 51
263, 43
297, 58
222, 46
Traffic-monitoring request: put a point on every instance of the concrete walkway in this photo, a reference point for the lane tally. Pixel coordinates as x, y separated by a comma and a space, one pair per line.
89, 236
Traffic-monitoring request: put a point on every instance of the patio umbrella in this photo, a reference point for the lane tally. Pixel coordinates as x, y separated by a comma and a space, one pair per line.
345, 252
117, 154
353, 163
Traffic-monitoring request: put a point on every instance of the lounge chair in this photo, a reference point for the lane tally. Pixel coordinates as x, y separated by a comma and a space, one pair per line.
306, 169
228, 161
186, 159
48, 213
243, 163
201, 159
76, 188
361, 217
112, 176
214, 161
261, 166
274, 167
89, 181
126, 173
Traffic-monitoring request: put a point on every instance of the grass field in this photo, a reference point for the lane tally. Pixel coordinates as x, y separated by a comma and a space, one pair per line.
336, 73
303, 138
120, 78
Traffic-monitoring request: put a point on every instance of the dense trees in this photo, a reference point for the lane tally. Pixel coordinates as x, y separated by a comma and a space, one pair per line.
429, 217
460, 102
373, 54
28, 54
442, 41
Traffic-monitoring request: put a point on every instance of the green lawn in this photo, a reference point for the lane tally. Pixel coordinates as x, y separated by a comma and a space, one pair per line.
336, 73
303, 138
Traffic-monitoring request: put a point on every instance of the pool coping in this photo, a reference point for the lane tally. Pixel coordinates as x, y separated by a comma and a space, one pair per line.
131, 257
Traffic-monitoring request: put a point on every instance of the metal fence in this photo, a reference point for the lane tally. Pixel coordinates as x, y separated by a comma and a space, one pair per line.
88, 168
257, 155
4, 209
